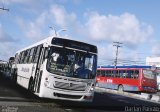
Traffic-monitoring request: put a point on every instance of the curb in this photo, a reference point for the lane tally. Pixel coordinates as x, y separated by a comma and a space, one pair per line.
145, 96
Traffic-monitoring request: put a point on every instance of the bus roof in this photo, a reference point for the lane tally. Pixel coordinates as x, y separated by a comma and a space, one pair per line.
49, 42
37, 43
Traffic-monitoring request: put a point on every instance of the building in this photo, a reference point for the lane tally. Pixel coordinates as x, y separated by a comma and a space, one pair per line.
153, 61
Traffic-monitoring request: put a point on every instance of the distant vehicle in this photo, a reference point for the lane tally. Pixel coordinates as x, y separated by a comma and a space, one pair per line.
57, 68
127, 78
3, 66
5, 69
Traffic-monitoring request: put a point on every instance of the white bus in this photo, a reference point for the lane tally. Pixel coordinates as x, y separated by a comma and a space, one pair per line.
57, 68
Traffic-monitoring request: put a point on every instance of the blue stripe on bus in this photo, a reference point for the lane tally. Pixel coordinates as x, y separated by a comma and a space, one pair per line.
108, 85
115, 86
130, 88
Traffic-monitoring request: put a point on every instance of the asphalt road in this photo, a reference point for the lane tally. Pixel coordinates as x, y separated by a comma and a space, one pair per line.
18, 99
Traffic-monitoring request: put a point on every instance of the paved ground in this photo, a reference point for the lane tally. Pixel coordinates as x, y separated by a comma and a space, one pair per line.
18, 99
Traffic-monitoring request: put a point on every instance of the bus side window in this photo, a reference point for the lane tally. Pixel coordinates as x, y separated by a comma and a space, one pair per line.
106, 73
109, 73
136, 74
31, 55
102, 73
16, 58
112, 74
98, 72
122, 73
34, 54
117, 73
27, 56
37, 53
19, 59
129, 73
22, 57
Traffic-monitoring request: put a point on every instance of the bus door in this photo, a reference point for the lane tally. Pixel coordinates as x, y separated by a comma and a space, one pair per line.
38, 73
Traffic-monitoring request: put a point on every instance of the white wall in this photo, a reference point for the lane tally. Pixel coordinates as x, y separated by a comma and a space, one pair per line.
153, 61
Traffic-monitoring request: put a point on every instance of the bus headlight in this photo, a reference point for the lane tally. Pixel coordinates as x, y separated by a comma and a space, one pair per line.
92, 89
46, 83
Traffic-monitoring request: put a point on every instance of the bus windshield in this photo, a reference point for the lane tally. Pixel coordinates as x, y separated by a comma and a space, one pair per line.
72, 63
149, 74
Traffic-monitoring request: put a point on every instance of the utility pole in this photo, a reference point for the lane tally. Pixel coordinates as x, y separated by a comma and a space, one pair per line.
117, 45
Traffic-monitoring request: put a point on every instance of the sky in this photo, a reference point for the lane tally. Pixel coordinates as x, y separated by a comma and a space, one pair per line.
134, 23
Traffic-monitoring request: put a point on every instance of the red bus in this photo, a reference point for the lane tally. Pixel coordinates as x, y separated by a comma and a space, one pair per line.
127, 79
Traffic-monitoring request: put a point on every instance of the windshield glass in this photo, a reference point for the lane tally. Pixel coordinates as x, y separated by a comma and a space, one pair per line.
72, 63
149, 74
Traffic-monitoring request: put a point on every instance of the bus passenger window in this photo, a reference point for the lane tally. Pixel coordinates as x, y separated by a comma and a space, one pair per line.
136, 74
16, 58
129, 73
27, 56
122, 73
98, 73
37, 53
106, 73
31, 55
102, 73
22, 57
110, 73
117, 73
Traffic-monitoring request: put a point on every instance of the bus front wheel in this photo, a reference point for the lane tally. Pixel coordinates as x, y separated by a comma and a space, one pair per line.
120, 88
14, 77
31, 85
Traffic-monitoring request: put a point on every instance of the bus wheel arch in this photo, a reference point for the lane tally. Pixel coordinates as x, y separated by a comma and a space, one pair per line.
120, 88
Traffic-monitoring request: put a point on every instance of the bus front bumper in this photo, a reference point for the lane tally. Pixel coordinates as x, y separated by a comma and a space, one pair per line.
54, 93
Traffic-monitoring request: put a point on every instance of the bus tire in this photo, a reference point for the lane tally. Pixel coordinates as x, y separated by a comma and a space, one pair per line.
149, 97
31, 85
120, 88
14, 77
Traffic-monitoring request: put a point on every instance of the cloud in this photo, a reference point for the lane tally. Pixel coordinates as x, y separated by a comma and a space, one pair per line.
33, 29
106, 53
124, 28
61, 17
56, 17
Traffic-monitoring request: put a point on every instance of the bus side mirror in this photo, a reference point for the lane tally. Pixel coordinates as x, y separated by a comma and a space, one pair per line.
11, 59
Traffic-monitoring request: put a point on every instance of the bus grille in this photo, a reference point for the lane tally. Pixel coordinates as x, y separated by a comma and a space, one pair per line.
70, 86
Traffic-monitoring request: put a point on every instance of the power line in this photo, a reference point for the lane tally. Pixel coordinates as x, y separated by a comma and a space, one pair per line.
120, 61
